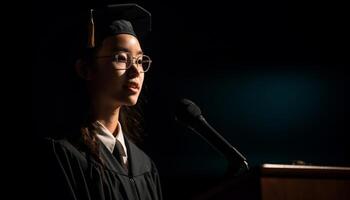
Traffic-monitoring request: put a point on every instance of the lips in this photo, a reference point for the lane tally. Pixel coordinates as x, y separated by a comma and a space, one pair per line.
132, 86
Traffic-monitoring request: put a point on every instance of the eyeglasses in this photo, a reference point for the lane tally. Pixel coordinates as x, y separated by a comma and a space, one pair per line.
124, 61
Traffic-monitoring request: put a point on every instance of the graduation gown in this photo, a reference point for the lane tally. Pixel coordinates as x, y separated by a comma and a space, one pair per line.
74, 175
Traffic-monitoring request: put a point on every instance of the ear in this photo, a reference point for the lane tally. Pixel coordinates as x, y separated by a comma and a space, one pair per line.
84, 70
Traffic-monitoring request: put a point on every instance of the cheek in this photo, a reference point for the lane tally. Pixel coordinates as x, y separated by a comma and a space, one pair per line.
109, 73
118, 75
116, 79
111, 79
142, 77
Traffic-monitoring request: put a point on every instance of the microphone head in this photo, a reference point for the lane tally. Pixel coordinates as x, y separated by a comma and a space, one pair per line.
187, 111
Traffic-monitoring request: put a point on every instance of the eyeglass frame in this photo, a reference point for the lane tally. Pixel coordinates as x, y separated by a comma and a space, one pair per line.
132, 60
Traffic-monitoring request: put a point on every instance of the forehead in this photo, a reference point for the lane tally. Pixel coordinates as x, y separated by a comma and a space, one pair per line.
120, 42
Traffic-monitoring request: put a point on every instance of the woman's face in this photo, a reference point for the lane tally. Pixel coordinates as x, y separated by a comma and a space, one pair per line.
121, 86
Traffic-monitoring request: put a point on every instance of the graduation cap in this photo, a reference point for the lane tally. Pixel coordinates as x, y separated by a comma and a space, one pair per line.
117, 19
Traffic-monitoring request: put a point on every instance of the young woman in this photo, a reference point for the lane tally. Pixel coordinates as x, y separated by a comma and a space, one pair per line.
99, 159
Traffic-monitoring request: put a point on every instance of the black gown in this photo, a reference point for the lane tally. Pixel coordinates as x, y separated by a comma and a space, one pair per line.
71, 174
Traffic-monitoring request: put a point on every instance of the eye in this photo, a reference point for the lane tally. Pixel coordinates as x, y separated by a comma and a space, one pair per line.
139, 61
121, 57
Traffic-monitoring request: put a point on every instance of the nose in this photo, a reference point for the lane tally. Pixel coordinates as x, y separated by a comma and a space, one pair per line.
133, 71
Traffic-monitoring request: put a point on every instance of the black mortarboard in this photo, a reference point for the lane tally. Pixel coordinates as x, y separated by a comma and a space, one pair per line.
116, 19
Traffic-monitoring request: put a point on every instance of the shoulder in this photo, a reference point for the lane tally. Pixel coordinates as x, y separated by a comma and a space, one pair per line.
137, 152
141, 162
64, 147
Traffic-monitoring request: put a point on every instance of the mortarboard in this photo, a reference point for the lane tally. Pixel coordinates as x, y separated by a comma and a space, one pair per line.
117, 19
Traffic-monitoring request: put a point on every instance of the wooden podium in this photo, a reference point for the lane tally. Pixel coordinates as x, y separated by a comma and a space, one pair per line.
286, 182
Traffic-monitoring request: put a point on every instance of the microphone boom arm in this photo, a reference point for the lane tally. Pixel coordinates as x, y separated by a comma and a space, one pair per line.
237, 162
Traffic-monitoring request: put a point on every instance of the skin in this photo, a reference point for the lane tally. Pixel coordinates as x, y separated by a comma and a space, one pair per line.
110, 88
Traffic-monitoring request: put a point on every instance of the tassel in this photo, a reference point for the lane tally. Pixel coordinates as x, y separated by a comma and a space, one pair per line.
91, 34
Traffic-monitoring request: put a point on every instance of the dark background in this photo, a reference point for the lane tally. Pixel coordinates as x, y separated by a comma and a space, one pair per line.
268, 75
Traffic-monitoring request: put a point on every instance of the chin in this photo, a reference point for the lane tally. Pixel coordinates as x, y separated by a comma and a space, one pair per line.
130, 101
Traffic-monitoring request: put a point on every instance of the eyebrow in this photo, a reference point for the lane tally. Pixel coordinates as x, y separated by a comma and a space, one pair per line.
126, 50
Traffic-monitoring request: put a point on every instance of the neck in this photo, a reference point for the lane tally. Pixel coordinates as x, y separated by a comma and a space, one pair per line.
107, 114
110, 120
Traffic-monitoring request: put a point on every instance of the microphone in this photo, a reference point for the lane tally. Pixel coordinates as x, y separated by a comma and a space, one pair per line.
189, 114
